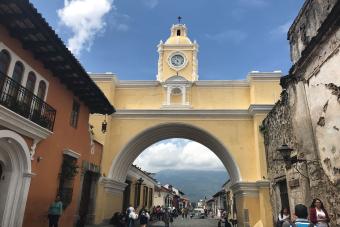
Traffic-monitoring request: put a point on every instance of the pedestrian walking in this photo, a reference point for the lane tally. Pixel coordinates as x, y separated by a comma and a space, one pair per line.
143, 217
131, 216
54, 212
284, 216
166, 217
318, 214
301, 220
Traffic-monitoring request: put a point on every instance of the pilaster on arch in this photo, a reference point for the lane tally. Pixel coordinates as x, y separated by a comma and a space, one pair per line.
140, 142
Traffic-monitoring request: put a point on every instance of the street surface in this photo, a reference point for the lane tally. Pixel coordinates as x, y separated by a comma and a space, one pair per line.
179, 222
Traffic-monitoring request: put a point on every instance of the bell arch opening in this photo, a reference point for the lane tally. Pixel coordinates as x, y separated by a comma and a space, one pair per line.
146, 138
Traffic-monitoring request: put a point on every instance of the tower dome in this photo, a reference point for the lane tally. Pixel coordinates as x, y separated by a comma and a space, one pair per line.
178, 35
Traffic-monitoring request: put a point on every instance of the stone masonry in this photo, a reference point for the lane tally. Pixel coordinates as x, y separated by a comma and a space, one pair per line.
307, 117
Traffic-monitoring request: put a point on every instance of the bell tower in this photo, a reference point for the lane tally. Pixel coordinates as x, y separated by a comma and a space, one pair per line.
178, 55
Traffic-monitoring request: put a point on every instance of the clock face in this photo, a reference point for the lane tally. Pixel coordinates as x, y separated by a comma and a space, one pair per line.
177, 60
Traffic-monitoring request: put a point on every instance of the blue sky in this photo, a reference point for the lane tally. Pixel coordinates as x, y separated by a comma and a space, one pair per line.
120, 36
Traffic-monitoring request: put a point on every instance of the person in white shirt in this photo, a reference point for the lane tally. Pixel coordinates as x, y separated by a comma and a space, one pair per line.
284, 217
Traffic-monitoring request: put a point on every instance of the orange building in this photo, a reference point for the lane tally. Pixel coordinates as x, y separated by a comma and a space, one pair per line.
46, 143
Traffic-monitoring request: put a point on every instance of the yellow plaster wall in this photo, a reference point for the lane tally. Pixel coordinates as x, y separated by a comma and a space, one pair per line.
236, 135
139, 98
220, 97
106, 204
264, 92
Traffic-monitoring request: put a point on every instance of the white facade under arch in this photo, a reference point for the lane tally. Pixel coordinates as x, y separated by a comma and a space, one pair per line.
14, 186
160, 132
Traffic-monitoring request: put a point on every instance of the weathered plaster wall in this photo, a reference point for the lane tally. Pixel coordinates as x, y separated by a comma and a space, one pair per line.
306, 25
307, 118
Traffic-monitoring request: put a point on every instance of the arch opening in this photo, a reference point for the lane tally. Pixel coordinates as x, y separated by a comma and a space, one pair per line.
15, 178
143, 140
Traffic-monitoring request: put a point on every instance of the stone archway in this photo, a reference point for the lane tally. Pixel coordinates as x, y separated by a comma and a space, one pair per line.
16, 176
139, 143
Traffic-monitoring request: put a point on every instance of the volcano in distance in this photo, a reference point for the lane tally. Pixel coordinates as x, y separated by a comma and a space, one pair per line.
196, 184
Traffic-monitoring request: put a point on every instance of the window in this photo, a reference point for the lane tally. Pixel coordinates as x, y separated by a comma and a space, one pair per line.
18, 72
178, 32
69, 170
74, 114
150, 196
137, 194
30, 84
145, 196
41, 90
13, 89
5, 59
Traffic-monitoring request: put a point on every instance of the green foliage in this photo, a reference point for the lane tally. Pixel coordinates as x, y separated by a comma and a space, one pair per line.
69, 169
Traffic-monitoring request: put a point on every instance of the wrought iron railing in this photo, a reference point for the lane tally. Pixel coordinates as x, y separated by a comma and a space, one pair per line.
23, 102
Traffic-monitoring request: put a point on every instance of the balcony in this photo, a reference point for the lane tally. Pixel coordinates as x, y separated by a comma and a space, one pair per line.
23, 102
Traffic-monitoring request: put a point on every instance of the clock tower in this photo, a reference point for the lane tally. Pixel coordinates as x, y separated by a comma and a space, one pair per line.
177, 56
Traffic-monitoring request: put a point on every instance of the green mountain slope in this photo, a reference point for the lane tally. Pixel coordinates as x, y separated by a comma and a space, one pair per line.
196, 184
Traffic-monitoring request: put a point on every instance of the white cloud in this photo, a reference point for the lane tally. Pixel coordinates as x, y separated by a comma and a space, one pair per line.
86, 19
281, 29
235, 36
178, 154
150, 3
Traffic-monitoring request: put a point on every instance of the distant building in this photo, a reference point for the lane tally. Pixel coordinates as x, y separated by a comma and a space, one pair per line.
140, 189
163, 197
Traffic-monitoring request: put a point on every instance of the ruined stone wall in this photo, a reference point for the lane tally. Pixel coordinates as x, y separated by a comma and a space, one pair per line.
307, 117
306, 25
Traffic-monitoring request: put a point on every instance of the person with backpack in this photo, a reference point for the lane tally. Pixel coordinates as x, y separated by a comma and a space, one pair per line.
301, 213
143, 217
284, 216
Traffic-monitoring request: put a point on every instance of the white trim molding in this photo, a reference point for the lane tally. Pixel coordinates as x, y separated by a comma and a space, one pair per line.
23, 126
112, 186
71, 153
166, 112
260, 108
249, 189
187, 111
15, 156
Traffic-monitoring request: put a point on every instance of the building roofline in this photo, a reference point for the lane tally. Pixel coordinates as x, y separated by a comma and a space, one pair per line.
26, 24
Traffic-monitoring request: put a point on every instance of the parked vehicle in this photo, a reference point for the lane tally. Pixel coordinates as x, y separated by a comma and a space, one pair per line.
198, 213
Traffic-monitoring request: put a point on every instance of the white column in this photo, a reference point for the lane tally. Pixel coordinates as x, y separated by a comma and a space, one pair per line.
183, 95
168, 93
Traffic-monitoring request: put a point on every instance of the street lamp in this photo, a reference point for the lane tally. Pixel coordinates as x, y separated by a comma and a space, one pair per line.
286, 152
140, 181
104, 125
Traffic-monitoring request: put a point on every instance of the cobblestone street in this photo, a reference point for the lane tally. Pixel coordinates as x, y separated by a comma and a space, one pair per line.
179, 222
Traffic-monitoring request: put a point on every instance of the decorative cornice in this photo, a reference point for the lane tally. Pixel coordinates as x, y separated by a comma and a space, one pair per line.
182, 113
222, 83
71, 153
112, 186
104, 77
21, 125
137, 83
263, 184
187, 111
260, 108
264, 76
245, 189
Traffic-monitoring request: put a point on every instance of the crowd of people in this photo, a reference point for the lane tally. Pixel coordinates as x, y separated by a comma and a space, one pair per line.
318, 216
132, 218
